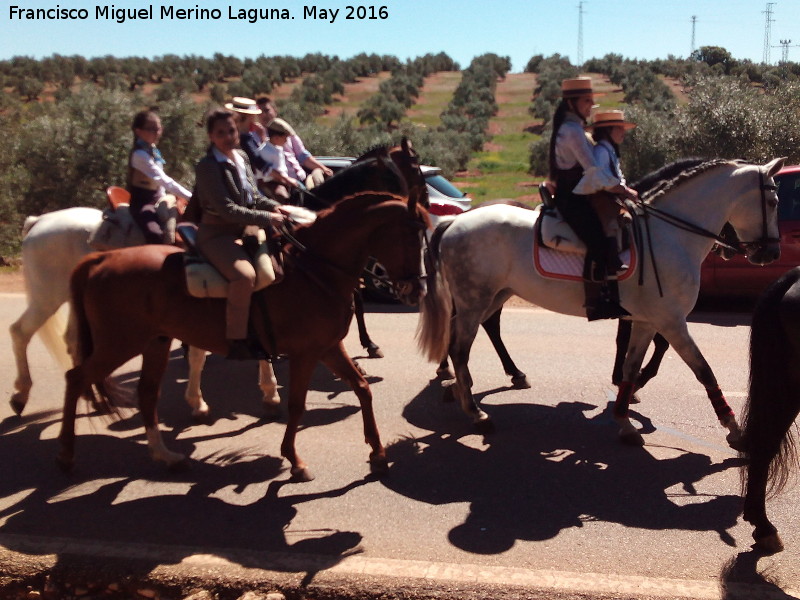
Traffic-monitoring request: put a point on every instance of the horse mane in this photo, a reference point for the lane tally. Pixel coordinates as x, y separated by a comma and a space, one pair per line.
376, 150
674, 174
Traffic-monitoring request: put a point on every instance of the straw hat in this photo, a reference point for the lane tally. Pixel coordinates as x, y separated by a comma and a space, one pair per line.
610, 118
245, 106
577, 87
280, 126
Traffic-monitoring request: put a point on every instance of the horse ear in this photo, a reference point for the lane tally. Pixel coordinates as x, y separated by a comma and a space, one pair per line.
405, 144
774, 166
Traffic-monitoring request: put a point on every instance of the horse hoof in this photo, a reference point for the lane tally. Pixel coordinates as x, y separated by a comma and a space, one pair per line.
272, 413
769, 544
444, 374
631, 438
374, 352
448, 394
735, 441
301, 474
201, 418
17, 404
520, 382
378, 466
484, 426
635, 399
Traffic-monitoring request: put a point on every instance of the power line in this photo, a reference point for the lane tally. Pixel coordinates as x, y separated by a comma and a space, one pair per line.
768, 30
785, 45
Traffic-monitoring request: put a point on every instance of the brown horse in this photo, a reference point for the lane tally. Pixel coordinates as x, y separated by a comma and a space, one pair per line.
134, 301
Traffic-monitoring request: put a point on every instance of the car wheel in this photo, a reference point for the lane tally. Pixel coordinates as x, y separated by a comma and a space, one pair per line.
376, 286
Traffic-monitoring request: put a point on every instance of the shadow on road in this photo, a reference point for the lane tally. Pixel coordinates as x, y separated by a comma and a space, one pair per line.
546, 469
95, 503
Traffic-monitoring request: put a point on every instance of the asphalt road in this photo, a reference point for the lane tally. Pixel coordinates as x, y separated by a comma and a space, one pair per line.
549, 501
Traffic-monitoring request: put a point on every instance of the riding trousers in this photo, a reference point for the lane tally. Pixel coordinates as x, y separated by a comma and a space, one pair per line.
143, 211
217, 243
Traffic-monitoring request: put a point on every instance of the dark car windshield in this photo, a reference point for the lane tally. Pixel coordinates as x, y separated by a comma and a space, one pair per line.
441, 185
788, 196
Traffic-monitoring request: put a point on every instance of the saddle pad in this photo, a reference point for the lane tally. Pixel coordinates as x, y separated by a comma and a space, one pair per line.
568, 265
204, 281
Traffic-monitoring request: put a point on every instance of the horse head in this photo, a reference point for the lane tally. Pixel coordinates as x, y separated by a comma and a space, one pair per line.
406, 159
756, 217
376, 173
397, 244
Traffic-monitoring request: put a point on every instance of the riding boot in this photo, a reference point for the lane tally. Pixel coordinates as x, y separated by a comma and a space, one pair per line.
594, 271
602, 301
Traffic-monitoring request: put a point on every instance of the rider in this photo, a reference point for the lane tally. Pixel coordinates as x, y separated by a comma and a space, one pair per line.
608, 131
230, 201
301, 164
147, 181
571, 161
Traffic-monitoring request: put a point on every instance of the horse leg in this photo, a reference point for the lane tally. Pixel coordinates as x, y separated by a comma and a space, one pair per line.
373, 351
22, 331
765, 533
269, 390
196, 358
95, 367
639, 339
342, 366
491, 325
464, 328
300, 371
623, 338
650, 370
154, 364
677, 334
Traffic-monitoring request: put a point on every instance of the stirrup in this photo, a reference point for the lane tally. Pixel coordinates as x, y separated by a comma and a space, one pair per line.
606, 309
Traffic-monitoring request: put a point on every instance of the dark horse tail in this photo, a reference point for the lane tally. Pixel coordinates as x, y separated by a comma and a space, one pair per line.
772, 401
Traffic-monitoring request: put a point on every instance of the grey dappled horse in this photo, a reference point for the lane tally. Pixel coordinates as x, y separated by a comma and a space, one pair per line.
484, 257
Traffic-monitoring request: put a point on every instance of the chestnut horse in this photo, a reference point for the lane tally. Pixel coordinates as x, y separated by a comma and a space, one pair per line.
773, 403
55, 242
133, 301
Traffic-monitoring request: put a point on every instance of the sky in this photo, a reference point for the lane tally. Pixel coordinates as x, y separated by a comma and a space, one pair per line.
463, 29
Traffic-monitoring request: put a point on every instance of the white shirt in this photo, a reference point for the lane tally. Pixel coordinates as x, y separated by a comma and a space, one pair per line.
274, 156
142, 161
573, 146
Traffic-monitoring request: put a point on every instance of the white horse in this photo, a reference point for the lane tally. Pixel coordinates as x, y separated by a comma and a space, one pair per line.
485, 256
52, 245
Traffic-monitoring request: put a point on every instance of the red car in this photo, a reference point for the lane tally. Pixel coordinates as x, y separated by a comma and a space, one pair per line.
737, 277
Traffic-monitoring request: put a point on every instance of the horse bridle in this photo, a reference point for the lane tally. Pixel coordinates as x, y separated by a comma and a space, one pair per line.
739, 247
401, 282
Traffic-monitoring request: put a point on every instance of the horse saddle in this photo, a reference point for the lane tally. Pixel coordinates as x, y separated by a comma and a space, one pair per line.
119, 230
559, 252
204, 281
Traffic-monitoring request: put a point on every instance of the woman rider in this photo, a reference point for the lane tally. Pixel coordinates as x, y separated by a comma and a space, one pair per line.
226, 192
147, 181
572, 162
